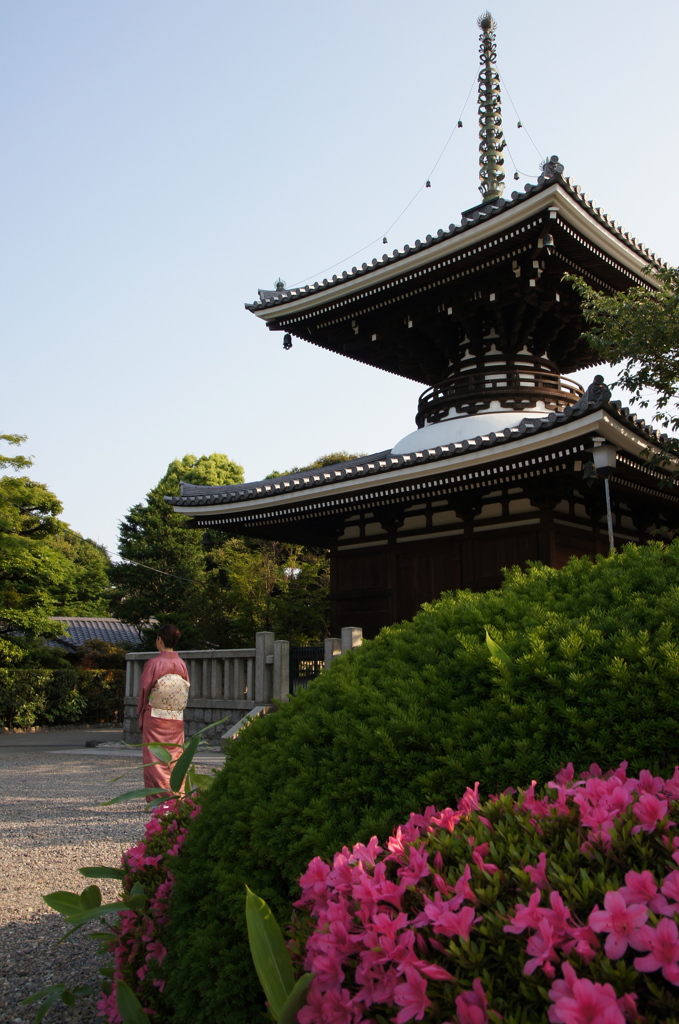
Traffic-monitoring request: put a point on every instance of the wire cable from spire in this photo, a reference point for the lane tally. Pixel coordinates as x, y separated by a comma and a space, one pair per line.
427, 182
519, 118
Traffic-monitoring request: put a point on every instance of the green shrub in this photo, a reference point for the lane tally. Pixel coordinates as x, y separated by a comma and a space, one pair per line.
411, 719
43, 696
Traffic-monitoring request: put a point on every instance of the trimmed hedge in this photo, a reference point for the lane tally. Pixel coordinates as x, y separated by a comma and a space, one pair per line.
412, 718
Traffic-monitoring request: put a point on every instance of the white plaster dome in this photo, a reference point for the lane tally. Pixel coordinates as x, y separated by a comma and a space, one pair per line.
464, 427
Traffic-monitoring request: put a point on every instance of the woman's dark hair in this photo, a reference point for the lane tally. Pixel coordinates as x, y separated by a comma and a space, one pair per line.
170, 635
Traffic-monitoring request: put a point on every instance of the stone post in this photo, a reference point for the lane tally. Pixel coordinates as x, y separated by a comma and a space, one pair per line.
264, 648
352, 636
281, 670
333, 647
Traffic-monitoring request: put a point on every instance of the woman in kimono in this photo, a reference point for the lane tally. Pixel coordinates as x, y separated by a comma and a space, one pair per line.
163, 693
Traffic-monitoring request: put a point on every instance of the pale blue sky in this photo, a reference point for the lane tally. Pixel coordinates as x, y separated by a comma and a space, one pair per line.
161, 160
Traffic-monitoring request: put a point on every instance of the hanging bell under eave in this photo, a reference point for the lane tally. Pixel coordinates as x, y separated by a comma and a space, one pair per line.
384, 240
459, 124
519, 125
427, 184
516, 175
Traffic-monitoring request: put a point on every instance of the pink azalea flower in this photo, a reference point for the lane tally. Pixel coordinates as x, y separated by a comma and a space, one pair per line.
627, 1005
526, 916
586, 944
478, 855
648, 783
411, 995
471, 1007
639, 887
377, 982
663, 945
417, 867
649, 811
670, 886
434, 971
366, 854
563, 988
540, 946
396, 844
538, 874
538, 808
447, 922
470, 801
565, 776
671, 787
622, 922
462, 886
590, 1003
442, 885
341, 875
331, 1007
328, 970
313, 881
559, 914
447, 819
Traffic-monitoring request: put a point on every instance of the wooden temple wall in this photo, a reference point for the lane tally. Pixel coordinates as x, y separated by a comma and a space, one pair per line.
379, 582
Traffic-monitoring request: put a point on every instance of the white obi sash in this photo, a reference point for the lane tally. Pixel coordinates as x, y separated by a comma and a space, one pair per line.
169, 696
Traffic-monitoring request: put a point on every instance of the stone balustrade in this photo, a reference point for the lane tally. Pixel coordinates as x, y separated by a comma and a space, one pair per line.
228, 684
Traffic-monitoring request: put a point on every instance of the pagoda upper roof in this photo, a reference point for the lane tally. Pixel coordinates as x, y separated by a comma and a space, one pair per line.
493, 215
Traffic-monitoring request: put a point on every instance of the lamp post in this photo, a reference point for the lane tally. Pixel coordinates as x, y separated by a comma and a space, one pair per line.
604, 456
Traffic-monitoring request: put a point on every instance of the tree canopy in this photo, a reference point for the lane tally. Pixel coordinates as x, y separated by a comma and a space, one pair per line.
164, 571
46, 568
638, 331
218, 588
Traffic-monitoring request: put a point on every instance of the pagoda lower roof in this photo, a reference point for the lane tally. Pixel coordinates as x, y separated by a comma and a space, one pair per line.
273, 304
195, 499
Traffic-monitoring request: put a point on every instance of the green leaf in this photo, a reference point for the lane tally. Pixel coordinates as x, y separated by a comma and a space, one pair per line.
296, 1000
82, 916
90, 897
497, 652
129, 1007
102, 872
160, 751
51, 994
199, 780
133, 794
269, 953
65, 903
183, 763
54, 990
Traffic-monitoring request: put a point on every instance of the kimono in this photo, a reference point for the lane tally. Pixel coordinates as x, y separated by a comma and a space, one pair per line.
159, 730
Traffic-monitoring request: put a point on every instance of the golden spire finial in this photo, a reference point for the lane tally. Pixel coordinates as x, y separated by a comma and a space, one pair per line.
490, 114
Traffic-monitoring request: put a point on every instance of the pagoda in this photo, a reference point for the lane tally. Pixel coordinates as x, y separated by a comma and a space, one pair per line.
501, 467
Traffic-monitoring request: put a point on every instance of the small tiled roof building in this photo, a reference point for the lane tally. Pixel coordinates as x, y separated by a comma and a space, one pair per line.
78, 630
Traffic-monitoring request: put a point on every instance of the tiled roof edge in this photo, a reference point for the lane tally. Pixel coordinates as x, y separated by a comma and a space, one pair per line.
478, 215
386, 462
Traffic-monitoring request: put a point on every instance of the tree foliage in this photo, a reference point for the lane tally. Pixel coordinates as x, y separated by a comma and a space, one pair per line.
46, 568
170, 556
638, 331
220, 589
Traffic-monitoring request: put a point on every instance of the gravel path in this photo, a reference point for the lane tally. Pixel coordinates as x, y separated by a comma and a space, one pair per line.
50, 825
